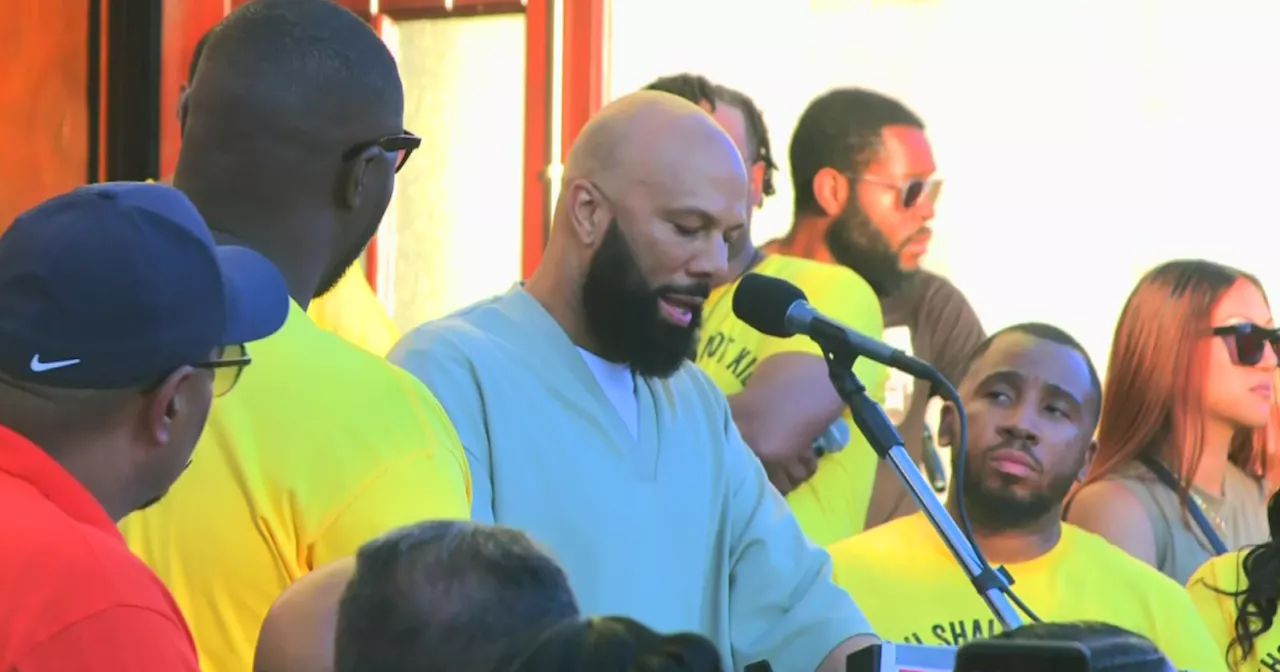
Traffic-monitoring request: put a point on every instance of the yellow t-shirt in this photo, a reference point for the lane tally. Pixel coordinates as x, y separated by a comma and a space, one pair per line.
1224, 573
320, 447
352, 311
833, 504
911, 589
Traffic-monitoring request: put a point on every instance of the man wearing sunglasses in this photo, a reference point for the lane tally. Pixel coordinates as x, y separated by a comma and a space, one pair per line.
292, 137
107, 373
778, 388
345, 304
865, 189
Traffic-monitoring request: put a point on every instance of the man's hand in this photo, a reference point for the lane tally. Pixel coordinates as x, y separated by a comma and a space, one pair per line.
788, 402
790, 468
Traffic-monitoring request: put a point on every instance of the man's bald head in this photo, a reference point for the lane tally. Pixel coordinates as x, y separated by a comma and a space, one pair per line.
302, 74
282, 131
641, 138
653, 190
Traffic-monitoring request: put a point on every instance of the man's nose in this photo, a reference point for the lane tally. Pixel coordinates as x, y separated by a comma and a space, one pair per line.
1020, 425
924, 209
712, 259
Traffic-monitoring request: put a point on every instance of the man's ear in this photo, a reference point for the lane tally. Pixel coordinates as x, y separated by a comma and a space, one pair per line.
831, 190
166, 404
948, 429
355, 179
184, 96
589, 212
1089, 453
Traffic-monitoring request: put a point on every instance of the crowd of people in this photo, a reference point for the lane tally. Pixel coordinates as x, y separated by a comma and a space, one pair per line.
603, 468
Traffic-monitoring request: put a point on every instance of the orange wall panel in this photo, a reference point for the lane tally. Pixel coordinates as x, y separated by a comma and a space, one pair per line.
44, 112
185, 22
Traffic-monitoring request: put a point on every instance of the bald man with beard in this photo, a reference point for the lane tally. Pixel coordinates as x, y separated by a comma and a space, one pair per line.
586, 426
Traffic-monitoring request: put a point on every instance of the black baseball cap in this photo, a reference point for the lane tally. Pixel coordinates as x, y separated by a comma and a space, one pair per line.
114, 285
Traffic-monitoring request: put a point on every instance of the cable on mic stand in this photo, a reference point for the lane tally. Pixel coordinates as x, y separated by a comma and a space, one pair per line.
992, 585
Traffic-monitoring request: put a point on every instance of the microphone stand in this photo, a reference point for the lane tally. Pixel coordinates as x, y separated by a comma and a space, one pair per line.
887, 442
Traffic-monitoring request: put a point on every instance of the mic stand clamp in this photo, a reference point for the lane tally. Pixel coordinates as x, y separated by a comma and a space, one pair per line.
887, 442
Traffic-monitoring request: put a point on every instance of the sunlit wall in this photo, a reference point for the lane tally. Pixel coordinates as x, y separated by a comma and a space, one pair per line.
1082, 141
453, 234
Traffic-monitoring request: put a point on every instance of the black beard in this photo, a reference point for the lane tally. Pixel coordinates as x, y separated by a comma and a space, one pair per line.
856, 243
334, 273
997, 509
624, 316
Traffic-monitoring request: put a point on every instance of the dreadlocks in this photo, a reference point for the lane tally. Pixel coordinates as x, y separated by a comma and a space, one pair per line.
759, 132
700, 91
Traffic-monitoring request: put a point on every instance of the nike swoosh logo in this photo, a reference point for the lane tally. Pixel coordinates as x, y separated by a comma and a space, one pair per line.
40, 367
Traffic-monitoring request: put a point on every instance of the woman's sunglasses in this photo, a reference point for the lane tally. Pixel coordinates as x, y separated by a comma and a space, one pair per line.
911, 192
1247, 342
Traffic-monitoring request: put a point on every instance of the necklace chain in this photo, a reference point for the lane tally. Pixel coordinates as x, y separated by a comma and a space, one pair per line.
1219, 525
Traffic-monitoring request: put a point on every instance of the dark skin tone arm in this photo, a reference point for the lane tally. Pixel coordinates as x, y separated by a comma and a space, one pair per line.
787, 403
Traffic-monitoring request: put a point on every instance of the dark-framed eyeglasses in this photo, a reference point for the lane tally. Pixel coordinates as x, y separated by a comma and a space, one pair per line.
1247, 342
401, 145
227, 365
911, 192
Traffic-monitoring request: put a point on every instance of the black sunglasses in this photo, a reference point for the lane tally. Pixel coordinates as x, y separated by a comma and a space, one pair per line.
400, 144
226, 367
1247, 342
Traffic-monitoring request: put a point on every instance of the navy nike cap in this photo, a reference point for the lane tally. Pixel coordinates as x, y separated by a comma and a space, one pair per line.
115, 285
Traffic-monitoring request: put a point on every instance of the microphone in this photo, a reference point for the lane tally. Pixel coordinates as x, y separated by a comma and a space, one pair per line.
775, 307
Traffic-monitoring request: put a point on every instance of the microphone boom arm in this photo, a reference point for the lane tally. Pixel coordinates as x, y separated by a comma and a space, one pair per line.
887, 442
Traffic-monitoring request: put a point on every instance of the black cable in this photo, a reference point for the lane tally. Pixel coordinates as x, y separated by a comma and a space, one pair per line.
949, 393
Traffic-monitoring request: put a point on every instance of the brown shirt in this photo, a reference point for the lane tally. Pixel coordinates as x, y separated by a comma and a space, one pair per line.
945, 331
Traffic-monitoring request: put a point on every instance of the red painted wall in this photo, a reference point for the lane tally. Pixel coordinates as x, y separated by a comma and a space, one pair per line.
44, 112
185, 22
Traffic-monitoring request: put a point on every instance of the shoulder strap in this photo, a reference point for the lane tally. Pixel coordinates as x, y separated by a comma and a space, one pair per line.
1170, 481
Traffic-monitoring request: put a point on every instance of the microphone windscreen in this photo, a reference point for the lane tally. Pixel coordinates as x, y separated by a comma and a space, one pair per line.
762, 302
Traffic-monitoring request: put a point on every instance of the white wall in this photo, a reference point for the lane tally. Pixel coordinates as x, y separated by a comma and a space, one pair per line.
456, 214
1082, 141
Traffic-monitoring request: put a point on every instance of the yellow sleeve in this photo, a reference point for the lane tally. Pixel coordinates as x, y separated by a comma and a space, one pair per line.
351, 310
1216, 610
429, 484
833, 504
1187, 642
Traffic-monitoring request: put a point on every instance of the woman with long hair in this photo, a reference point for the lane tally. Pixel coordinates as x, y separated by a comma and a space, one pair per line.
1237, 593
1188, 395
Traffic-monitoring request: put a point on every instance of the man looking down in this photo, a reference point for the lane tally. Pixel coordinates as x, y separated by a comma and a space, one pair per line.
586, 425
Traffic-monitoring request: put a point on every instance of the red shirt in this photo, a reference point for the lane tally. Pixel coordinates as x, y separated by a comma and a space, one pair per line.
72, 596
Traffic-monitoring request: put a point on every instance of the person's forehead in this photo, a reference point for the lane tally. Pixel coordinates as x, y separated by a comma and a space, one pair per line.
1244, 302
704, 172
734, 122
904, 152
1033, 358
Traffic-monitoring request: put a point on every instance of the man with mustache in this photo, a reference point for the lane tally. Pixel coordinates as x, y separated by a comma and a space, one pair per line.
779, 388
586, 425
1032, 399
865, 189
